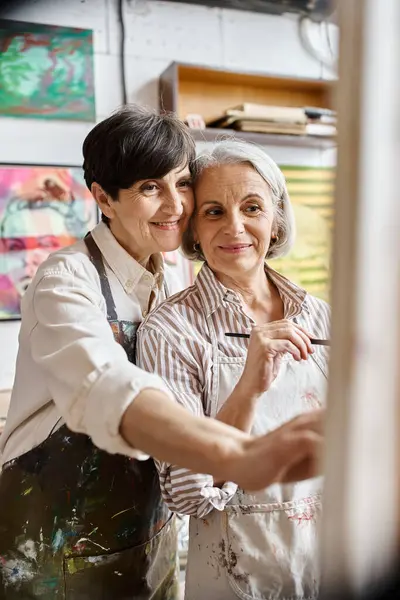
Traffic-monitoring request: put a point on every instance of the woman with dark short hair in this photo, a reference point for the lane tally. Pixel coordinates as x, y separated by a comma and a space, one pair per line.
81, 513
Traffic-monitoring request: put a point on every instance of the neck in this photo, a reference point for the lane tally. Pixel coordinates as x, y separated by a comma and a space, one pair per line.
253, 286
260, 298
124, 240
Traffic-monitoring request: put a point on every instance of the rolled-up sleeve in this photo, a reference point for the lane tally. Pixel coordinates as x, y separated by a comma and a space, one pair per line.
173, 358
87, 372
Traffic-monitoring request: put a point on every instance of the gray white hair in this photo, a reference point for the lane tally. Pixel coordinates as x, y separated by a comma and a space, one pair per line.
232, 151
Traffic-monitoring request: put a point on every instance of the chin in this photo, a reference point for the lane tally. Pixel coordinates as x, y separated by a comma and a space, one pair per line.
236, 266
170, 247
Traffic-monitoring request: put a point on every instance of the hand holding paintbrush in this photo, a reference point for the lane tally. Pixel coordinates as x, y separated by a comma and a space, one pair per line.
268, 344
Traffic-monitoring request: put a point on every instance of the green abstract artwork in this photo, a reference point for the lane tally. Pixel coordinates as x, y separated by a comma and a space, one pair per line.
46, 72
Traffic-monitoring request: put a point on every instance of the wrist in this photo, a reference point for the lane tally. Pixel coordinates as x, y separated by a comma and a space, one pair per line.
245, 392
225, 459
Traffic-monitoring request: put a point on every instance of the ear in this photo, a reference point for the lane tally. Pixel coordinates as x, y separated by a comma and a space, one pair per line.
103, 200
274, 231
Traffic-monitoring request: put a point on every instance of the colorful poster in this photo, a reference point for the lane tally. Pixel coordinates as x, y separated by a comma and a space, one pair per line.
308, 264
42, 209
46, 71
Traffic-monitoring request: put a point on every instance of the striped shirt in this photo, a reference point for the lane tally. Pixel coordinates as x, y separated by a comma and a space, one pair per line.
175, 341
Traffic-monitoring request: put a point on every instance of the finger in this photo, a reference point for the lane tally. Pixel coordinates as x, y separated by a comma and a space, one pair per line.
307, 333
283, 346
306, 448
306, 469
303, 332
290, 332
298, 340
305, 337
310, 421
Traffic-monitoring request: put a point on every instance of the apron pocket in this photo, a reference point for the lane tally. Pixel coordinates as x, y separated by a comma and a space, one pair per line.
270, 550
145, 572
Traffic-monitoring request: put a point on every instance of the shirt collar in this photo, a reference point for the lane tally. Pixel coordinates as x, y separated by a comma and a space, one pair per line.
213, 293
127, 270
293, 296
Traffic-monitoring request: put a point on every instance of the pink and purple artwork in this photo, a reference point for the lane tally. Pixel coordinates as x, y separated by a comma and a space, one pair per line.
42, 209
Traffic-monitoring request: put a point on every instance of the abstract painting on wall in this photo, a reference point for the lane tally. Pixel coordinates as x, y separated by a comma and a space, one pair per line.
46, 71
42, 209
308, 264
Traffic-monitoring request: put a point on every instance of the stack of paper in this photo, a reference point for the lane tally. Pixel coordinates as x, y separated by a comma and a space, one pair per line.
278, 119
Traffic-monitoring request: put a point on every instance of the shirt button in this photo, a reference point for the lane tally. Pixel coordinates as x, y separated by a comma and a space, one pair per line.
145, 313
129, 284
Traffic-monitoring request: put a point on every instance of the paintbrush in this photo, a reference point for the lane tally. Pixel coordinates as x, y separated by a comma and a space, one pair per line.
314, 341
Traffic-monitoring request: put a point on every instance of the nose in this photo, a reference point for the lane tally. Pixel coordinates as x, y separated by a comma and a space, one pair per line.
173, 202
234, 225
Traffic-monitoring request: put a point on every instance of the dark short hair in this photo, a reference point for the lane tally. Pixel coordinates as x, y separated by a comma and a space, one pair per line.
135, 143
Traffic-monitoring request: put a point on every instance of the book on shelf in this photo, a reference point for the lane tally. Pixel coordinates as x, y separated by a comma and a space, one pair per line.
323, 129
289, 120
269, 127
283, 114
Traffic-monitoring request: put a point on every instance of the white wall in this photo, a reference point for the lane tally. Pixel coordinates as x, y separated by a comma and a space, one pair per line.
157, 33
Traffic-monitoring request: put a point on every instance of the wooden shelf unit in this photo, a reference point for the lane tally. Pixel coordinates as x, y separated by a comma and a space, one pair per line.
191, 89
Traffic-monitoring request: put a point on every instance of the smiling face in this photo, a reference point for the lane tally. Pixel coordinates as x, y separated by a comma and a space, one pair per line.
28, 236
152, 214
234, 218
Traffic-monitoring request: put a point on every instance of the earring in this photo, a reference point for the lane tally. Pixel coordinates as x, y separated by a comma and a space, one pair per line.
196, 247
274, 238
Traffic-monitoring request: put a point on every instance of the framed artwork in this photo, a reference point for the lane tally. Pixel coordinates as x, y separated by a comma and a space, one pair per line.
46, 71
42, 209
311, 191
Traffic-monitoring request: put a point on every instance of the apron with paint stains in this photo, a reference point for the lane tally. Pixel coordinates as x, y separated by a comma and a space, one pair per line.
78, 523
262, 546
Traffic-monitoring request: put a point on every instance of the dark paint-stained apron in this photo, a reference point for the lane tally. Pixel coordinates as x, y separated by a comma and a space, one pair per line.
78, 523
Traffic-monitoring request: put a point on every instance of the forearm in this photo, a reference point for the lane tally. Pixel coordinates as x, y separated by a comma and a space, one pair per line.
162, 428
239, 409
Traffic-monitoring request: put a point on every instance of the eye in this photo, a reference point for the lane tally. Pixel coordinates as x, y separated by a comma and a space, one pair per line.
185, 183
14, 244
252, 208
213, 212
149, 187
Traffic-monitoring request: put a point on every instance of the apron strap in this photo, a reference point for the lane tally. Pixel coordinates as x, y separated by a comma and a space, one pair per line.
97, 259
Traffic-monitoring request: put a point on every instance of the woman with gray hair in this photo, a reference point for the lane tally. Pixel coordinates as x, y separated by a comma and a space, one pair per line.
247, 545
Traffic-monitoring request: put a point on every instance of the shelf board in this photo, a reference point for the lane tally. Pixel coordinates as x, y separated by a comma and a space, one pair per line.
265, 139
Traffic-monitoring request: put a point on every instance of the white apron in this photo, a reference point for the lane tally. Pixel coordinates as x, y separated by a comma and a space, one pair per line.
263, 545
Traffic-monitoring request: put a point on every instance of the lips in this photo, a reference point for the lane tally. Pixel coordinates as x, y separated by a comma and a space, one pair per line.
167, 225
235, 248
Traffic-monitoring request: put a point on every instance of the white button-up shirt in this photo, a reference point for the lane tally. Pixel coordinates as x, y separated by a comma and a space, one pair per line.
69, 367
